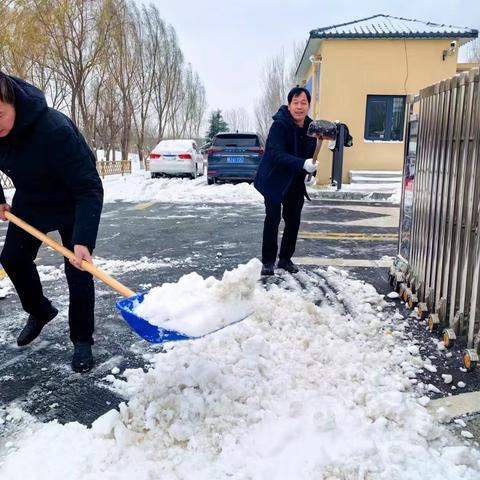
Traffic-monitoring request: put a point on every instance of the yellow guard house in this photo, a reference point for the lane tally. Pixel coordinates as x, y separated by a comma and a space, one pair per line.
360, 73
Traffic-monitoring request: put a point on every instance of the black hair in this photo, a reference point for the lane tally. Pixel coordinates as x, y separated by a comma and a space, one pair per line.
7, 93
296, 91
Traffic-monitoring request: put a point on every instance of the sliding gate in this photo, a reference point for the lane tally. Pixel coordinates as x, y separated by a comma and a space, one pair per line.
438, 264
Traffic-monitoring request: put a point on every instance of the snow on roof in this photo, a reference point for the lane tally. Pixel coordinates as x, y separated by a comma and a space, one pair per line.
386, 26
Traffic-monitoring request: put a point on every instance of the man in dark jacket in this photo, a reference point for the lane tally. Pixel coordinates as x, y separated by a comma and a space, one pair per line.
57, 188
281, 178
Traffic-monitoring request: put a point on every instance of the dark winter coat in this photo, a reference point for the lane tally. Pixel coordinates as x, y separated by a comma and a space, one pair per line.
287, 148
52, 168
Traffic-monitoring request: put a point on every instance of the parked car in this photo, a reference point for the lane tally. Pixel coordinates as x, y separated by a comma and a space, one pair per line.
234, 157
176, 157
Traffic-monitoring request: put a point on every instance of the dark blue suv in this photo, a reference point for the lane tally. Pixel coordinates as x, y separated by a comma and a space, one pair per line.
234, 157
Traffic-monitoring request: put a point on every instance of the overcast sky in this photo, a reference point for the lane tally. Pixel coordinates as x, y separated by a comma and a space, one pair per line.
228, 42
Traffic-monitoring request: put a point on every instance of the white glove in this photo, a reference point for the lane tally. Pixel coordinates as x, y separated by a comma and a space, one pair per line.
309, 166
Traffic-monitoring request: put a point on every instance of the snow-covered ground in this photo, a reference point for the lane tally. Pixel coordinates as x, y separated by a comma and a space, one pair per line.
368, 189
296, 391
393, 188
301, 389
139, 187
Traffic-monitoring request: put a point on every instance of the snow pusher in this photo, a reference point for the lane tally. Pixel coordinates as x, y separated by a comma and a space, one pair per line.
321, 130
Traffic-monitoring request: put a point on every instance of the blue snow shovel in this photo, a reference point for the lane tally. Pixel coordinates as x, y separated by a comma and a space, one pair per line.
153, 333
146, 330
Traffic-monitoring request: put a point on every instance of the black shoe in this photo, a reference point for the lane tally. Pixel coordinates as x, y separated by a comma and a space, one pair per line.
82, 360
267, 269
33, 328
288, 265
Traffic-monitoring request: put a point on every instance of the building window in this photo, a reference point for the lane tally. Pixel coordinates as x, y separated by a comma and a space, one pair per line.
385, 118
309, 84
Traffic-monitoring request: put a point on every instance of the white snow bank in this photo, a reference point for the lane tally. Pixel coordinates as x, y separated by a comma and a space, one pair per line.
139, 187
296, 391
195, 306
6, 287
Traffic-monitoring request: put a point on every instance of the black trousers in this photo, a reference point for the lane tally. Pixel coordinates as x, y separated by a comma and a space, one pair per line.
291, 213
17, 257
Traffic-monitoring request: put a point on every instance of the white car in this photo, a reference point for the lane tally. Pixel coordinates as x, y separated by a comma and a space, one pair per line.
176, 157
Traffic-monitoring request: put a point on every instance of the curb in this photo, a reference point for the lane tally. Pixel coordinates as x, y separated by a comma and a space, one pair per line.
457, 405
349, 195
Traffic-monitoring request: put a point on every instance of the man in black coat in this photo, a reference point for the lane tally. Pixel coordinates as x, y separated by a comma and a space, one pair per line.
281, 178
57, 187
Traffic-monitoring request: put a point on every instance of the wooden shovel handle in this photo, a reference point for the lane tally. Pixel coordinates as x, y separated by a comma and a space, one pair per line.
95, 271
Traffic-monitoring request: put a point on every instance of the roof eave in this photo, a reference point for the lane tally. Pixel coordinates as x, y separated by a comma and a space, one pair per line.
311, 48
473, 34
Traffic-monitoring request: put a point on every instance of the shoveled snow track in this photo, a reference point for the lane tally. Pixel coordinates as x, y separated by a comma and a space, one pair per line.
314, 285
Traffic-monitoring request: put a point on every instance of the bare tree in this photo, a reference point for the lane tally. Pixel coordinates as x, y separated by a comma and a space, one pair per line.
274, 80
114, 67
198, 106
22, 42
297, 52
147, 47
123, 64
54, 87
189, 106
25, 49
277, 79
108, 123
7, 10
238, 119
167, 76
77, 31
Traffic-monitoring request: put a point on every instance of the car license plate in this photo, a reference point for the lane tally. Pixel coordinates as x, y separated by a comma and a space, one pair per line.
235, 159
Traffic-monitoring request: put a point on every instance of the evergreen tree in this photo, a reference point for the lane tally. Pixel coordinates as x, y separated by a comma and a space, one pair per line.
216, 124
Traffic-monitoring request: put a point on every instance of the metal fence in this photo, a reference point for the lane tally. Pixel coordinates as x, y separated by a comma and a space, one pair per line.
114, 168
439, 251
104, 168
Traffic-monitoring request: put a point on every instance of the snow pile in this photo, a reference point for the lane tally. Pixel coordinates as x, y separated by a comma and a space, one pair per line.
195, 306
49, 273
296, 391
393, 295
6, 287
396, 197
138, 187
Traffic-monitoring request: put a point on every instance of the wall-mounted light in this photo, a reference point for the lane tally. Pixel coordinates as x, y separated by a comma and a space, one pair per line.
449, 51
315, 58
